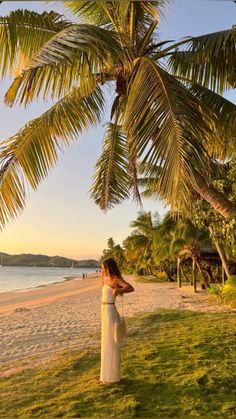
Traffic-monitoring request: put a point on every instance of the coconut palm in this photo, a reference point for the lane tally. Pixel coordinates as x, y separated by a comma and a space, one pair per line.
139, 245
110, 243
134, 250
179, 238
150, 189
161, 113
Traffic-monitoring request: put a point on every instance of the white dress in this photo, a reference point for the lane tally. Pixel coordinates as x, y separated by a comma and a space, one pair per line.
110, 346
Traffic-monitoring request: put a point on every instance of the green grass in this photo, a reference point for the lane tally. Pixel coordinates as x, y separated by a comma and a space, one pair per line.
150, 279
174, 364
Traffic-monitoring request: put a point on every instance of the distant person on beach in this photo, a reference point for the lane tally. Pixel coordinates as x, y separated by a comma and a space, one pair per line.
83, 276
112, 285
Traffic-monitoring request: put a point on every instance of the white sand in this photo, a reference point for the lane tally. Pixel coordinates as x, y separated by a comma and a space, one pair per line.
36, 324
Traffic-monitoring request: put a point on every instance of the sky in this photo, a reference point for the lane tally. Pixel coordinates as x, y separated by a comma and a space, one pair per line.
60, 218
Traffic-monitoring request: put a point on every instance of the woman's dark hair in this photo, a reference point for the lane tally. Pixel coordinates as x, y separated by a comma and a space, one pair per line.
111, 265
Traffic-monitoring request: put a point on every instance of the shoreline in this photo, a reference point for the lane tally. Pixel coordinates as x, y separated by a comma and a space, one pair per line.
46, 293
64, 279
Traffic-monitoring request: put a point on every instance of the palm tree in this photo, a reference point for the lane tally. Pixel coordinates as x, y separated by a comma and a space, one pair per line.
150, 189
139, 245
162, 113
110, 244
113, 251
180, 239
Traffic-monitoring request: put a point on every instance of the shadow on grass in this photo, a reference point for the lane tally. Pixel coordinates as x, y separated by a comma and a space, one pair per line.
174, 364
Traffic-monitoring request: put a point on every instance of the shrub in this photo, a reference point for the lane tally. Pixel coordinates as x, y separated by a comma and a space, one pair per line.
215, 291
229, 291
161, 276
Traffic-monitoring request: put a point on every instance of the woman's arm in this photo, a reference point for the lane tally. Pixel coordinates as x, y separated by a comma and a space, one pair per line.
122, 286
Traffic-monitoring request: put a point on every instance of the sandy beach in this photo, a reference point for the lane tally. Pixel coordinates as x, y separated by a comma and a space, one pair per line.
37, 323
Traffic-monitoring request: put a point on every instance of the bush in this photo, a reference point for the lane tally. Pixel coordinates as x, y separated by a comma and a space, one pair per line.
229, 291
215, 291
161, 276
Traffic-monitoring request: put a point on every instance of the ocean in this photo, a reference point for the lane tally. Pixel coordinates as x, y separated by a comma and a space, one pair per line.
14, 278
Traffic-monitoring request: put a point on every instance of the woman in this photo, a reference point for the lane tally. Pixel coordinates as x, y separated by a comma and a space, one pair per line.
112, 285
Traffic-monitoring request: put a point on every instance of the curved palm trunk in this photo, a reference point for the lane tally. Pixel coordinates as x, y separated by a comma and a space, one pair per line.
183, 274
215, 198
199, 266
221, 251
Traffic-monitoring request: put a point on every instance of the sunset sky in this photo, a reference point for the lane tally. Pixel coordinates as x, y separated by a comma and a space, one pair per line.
60, 217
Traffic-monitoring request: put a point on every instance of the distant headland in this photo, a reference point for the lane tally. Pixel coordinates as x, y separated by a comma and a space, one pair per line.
45, 261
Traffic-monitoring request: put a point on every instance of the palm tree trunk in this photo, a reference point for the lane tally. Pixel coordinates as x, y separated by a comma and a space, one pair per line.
225, 263
183, 274
223, 275
209, 274
221, 251
216, 199
194, 278
198, 263
178, 273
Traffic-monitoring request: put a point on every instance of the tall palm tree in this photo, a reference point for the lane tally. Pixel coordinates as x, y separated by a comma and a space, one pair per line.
110, 243
162, 113
139, 245
134, 250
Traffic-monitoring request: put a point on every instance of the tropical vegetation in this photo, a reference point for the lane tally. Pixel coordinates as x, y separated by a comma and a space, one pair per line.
168, 118
175, 249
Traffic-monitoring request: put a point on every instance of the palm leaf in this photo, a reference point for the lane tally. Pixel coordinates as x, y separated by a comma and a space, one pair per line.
111, 179
125, 15
167, 128
22, 33
143, 223
209, 60
29, 155
88, 11
77, 56
226, 121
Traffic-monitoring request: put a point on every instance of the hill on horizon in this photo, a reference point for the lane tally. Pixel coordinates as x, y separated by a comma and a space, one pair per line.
28, 259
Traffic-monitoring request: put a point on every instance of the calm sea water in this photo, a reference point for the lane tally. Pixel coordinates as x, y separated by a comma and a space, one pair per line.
20, 278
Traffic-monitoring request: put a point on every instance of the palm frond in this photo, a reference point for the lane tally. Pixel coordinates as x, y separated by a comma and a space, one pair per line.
111, 179
22, 33
79, 55
209, 60
125, 15
29, 155
133, 169
90, 12
144, 223
137, 241
225, 123
167, 128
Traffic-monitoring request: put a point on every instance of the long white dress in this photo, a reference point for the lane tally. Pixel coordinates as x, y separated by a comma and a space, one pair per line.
110, 345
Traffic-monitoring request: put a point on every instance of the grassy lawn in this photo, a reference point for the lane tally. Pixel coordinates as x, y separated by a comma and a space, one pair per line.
149, 279
174, 364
